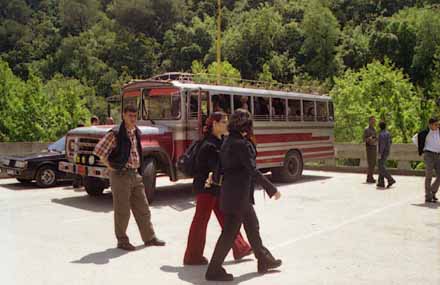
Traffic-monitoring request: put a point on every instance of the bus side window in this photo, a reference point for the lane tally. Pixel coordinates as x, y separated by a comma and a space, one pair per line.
278, 109
322, 111
193, 104
294, 110
261, 109
309, 110
331, 111
242, 102
221, 103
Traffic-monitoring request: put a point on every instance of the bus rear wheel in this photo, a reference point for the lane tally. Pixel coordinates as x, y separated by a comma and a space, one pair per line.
291, 170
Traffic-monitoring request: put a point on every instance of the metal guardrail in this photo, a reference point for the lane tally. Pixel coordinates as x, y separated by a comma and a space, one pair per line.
403, 154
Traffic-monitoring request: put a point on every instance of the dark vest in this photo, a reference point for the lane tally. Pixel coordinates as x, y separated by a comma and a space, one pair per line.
119, 156
421, 140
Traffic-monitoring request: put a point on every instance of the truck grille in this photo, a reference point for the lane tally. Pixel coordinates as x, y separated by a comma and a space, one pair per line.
79, 150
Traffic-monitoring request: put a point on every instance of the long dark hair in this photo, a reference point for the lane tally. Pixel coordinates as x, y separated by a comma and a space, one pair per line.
209, 124
241, 121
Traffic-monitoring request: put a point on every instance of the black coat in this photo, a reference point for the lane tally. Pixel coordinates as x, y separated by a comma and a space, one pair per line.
238, 160
421, 140
207, 160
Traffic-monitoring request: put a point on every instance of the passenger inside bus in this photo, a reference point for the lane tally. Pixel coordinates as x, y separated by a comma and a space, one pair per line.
222, 103
261, 108
278, 107
241, 102
294, 110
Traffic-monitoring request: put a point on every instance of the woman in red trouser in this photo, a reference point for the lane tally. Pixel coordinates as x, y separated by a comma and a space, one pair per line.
207, 195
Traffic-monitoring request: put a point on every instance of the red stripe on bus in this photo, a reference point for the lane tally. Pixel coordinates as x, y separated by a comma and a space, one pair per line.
270, 160
277, 138
132, 93
163, 91
304, 150
315, 149
320, 155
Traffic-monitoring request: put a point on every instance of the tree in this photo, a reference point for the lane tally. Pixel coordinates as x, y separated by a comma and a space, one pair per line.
78, 15
249, 40
321, 31
31, 111
378, 89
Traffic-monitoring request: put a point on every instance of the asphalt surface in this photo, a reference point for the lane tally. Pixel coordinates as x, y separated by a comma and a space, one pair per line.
329, 228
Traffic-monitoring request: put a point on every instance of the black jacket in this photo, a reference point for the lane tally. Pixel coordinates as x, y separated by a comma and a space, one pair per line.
207, 160
421, 140
238, 160
119, 156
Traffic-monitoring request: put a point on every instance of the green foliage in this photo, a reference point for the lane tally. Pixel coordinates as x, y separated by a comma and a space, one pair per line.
380, 90
321, 31
31, 111
228, 74
98, 45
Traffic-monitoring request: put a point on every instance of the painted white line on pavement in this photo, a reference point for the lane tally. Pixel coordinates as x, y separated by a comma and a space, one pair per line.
340, 225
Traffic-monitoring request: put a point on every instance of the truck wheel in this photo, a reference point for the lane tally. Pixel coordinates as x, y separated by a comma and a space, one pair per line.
46, 176
149, 178
94, 186
291, 170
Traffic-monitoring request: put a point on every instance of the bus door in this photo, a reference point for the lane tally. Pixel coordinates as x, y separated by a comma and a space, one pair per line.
197, 112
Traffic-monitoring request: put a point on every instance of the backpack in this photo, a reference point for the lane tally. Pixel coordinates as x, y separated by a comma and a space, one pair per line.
187, 161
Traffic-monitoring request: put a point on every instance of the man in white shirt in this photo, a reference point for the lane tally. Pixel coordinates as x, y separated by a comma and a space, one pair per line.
428, 143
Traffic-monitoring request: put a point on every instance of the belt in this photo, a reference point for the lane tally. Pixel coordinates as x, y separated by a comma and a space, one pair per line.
433, 152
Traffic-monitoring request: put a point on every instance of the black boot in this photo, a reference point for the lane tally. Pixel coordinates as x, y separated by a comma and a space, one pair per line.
267, 261
218, 275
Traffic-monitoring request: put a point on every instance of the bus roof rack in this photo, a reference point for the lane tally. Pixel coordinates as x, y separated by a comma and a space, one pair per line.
211, 79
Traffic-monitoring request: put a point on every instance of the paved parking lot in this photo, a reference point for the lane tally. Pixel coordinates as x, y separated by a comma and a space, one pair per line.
329, 228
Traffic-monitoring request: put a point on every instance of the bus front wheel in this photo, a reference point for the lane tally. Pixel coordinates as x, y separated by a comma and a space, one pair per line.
149, 178
291, 170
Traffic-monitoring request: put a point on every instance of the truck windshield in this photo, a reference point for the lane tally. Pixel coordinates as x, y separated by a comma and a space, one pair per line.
162, 104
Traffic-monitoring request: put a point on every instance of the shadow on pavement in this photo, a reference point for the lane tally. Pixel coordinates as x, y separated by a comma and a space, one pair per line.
427, 205
18, 186
178, 196
102, 257
102, 203
196, 274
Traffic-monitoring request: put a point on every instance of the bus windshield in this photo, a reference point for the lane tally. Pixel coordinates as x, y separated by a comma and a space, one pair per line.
161, 104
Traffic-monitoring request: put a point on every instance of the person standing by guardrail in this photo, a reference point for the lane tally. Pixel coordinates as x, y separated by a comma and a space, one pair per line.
384, 149
428, 144
370, 139
121, 151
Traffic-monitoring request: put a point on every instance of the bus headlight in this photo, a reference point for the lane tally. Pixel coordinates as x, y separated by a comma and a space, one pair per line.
76, 158
91, 159
83, 159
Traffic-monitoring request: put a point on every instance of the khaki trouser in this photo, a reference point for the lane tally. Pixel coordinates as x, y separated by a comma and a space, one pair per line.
371, 161
432, 162
128, 193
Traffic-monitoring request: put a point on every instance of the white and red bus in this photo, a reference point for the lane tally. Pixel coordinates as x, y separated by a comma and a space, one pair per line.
290, 128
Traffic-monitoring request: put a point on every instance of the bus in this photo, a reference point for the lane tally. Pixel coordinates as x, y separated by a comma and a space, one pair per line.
290, 128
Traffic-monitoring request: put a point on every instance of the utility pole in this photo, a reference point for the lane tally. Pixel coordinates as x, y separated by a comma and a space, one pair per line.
219, 36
